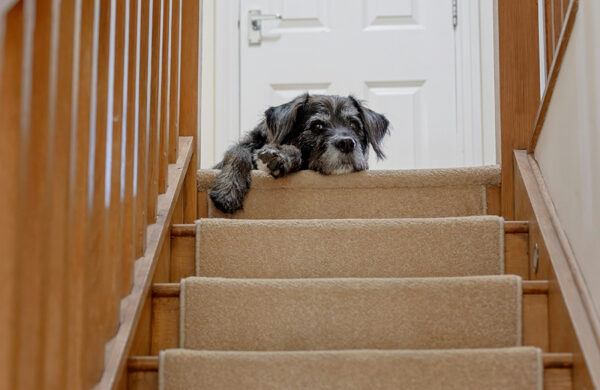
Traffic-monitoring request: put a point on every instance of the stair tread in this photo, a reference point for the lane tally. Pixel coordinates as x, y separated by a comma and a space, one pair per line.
423, 247
504, 368
351, 313
307, 179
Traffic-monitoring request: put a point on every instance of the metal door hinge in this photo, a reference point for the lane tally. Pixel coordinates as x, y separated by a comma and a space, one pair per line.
454, 13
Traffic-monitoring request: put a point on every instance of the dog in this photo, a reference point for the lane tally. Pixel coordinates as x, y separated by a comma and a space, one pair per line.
329, 134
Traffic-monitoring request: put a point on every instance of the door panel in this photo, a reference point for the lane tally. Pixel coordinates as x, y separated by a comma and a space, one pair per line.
396, 54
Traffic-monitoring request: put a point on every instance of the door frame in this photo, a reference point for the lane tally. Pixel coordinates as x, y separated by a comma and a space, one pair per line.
477, 120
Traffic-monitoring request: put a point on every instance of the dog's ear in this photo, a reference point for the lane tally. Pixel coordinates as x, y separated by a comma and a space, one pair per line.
376, 126
281, 119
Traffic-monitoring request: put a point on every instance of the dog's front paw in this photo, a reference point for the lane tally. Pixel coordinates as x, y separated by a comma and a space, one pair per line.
228, 195
227, 203
271, 160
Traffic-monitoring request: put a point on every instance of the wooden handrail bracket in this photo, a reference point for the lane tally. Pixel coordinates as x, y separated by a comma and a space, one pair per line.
131, 306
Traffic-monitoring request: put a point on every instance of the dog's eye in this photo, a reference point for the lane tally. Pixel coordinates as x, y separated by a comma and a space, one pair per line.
318, 126
354, 125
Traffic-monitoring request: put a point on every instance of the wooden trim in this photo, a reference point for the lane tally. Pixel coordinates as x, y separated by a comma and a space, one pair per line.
132, 305
563, 41
569, 279
189, 230
535, 287
513, 227
558, 360
183, 230
163, 290
150, 363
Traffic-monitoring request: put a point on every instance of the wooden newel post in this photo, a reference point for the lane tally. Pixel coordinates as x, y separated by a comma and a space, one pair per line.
189, 109
518, 49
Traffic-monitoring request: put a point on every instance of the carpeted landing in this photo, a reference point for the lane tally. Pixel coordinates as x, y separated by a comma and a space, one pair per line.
375, 280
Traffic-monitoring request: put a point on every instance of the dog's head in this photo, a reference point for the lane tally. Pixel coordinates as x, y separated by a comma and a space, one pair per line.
333, 132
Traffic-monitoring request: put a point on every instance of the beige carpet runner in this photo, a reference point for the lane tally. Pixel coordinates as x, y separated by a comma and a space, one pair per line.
374, 280
350, 248
489, 369
346, 313
420, 193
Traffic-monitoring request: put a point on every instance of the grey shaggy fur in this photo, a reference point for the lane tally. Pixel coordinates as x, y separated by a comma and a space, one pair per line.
328, 134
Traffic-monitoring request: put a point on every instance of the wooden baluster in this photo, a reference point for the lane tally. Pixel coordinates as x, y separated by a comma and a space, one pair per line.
96, 321
60, 106
175, 86
129, 201
154, 142
549, 38
11, 240
143, 131
189, 110
114, 142
33, 185
139, 226
558, 16
78, 347
163, 162
104, 129
119, 118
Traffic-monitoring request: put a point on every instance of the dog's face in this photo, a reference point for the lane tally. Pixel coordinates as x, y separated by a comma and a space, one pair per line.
333, 132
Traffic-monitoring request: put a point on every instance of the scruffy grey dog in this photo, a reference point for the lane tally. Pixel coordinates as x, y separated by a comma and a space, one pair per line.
328, 134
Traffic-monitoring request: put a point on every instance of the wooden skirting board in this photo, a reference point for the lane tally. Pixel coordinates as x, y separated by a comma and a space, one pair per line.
573, 326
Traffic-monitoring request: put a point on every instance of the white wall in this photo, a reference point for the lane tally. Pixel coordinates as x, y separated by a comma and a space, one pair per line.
568, 150
207, 108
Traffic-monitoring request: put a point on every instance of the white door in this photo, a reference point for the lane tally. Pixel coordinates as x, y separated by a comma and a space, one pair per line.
398, 55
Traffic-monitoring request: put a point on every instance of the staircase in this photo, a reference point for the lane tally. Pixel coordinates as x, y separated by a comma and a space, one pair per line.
378, 279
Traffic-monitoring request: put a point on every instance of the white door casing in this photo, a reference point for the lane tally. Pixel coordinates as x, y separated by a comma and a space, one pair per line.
399, 55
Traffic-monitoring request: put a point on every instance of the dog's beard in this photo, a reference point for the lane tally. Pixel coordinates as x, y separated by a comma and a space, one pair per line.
333, 162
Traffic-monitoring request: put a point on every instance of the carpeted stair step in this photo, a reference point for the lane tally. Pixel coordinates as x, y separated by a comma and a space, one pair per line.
460, 246
505, 368
348, 313
419, 193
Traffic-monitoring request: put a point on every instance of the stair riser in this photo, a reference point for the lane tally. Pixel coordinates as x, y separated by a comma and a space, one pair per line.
363, 248
183, 252
166, 317
359, 203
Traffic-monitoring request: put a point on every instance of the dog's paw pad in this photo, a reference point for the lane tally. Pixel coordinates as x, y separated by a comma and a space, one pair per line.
271, 161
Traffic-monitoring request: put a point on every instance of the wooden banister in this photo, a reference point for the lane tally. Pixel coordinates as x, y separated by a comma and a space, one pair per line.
83, 148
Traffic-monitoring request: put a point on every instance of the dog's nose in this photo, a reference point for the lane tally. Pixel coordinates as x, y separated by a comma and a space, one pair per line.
346, 145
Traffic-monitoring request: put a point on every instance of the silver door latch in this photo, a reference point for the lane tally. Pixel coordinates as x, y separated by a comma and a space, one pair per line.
255, 18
